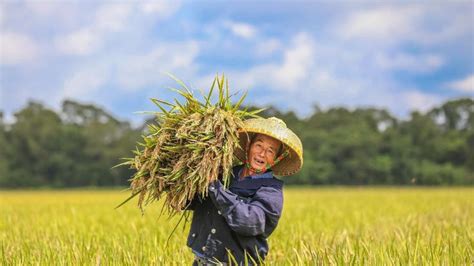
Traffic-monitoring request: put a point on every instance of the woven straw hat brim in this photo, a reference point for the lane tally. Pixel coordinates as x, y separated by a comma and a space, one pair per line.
277, 129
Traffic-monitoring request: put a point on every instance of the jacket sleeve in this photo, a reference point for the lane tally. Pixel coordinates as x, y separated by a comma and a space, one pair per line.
259, 216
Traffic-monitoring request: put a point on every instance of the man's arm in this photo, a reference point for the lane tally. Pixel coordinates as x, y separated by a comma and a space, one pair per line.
259, 216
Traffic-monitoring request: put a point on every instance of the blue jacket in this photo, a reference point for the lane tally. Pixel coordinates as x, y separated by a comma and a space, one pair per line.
237, 220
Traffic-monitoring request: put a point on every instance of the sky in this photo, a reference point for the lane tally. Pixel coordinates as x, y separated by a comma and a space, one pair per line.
293, 55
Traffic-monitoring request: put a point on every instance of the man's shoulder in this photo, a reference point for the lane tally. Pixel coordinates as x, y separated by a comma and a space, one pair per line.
259, 182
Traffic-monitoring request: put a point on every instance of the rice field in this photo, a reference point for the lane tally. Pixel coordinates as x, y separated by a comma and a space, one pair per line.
320, 226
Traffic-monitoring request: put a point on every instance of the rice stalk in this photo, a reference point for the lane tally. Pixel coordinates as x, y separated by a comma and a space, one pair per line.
190, 145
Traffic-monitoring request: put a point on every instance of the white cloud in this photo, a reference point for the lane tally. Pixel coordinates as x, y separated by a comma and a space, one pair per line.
393, 24
163, 8
2, 13
415, 63
297, 62
464, 85
112, 17
384, 23
416, 100
267, 47
358, 69
240, 29
130, 72
331, 75
82, 42
146, 69
303, 77
43, 8
85, 82
17, 48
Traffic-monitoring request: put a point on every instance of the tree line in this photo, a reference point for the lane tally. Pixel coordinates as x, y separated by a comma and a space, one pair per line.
366, 146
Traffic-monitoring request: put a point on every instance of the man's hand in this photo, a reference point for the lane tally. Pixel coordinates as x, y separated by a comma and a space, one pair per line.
214, 186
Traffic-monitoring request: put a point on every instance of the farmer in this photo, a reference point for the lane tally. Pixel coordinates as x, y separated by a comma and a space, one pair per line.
232, 225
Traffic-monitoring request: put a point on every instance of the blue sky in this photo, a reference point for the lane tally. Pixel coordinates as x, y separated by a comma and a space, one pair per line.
400, 55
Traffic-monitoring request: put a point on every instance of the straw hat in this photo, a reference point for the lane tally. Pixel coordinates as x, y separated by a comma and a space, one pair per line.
277, 129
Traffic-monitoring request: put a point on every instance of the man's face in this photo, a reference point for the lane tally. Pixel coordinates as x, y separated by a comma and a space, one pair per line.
263, 151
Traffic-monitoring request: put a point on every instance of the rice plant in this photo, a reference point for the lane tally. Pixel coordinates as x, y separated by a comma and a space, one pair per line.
319, 226
190, 146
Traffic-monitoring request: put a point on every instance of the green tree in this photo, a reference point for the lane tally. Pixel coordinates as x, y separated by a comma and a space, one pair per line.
33, 138
79, 145
103, 138
4, 153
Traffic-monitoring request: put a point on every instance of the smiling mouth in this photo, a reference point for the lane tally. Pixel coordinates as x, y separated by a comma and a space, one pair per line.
259, 161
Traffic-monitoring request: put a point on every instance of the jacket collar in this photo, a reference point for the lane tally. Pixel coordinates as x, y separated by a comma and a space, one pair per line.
238, 169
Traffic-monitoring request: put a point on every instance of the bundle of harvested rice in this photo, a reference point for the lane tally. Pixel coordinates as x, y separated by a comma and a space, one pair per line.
190, 146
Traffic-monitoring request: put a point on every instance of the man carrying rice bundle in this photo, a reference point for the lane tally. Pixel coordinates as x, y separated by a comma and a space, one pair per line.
231, 226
